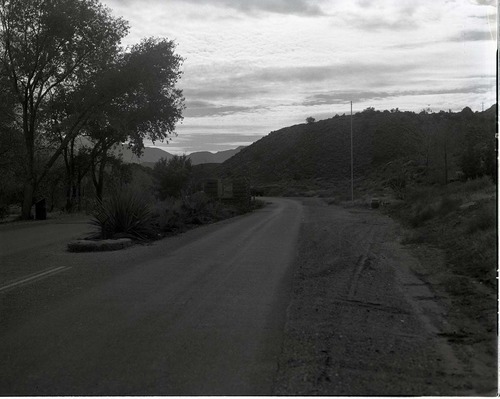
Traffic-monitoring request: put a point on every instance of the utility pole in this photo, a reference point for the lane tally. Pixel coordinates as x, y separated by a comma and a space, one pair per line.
352, 164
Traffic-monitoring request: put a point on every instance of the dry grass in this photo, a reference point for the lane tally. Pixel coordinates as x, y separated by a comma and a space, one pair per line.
467, 234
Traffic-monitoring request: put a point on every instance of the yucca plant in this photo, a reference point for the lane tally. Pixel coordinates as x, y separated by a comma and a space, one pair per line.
124, 214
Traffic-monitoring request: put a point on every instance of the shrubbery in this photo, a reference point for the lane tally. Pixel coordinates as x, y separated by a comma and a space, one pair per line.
484, 219
127, 213
172, 176
467, 234
124, 214
423, 211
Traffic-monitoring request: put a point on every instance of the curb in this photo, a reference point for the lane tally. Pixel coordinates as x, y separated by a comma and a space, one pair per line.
99, 245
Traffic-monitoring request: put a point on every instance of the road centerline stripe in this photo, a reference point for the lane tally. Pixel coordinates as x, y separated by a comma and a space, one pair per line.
33, 277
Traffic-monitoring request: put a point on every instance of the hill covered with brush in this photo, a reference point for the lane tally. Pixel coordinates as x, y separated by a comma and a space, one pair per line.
433, 143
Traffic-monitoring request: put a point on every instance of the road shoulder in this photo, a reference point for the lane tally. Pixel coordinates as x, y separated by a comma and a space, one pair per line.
364, 319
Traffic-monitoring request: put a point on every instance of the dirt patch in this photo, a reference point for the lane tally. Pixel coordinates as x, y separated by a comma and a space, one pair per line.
369, 316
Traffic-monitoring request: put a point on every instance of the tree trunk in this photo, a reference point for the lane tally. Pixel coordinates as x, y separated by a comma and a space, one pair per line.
100, 179
445, 167
29, 192
30, 182
445, 157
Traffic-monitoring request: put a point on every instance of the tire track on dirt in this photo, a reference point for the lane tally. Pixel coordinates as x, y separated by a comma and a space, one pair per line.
354, 327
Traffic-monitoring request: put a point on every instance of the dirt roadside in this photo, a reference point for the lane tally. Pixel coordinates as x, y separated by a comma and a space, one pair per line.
370, 317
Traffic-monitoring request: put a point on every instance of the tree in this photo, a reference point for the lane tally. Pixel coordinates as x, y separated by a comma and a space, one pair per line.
147, 104
48, 50
173, 176
310, 119
470, 162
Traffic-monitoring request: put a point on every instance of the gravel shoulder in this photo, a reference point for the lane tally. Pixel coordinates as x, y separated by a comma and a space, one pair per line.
370, 317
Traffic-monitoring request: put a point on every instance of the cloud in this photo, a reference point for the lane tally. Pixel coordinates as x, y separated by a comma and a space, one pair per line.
473, 35
296, 7
327, 72
486, 3
253, 7
199, 108
222, 93
342, 97
370, 24
381, 16
415, 45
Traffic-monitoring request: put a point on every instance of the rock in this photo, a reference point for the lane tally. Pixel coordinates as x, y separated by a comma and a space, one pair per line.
468, 205
98, 245
375, 203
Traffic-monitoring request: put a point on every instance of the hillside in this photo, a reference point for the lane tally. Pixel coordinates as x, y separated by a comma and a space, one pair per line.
152, 155
203, 157
320, 151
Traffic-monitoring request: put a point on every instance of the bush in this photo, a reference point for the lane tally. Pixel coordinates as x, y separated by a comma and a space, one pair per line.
124, 214
4, 210
173, 176
485, 219
197, 209
483, 183
173, 215
422, 211
447, 205
398, 185
420, 214
169, 215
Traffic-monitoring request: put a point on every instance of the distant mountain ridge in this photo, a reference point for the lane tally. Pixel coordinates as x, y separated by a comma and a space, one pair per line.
201, 157
152, 155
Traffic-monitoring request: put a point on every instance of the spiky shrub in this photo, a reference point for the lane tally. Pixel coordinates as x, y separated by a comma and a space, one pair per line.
125, 214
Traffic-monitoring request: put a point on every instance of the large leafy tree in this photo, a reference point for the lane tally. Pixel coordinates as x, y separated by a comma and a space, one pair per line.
147, 103
50, 49
173, 176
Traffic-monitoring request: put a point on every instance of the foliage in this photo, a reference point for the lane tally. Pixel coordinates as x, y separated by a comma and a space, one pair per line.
174, 215
146, 104
424, 210
470, 163
169, 216
478, 160
310, 119
398, 185
196, 207
381, 141
11, 165
68, 74
173, 176
124, 214
484, 219
50, 50
466, 234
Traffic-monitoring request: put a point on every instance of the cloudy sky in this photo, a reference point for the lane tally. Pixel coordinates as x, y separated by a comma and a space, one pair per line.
254, 66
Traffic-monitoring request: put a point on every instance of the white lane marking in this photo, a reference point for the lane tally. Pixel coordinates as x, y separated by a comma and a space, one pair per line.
33, 277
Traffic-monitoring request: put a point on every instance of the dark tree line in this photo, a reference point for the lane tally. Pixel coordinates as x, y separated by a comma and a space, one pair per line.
64, 76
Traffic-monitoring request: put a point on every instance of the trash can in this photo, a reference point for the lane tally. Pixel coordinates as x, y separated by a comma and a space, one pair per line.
41, 209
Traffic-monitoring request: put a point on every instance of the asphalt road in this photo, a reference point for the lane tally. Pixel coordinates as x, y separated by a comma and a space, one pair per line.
26, 247
197, 314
